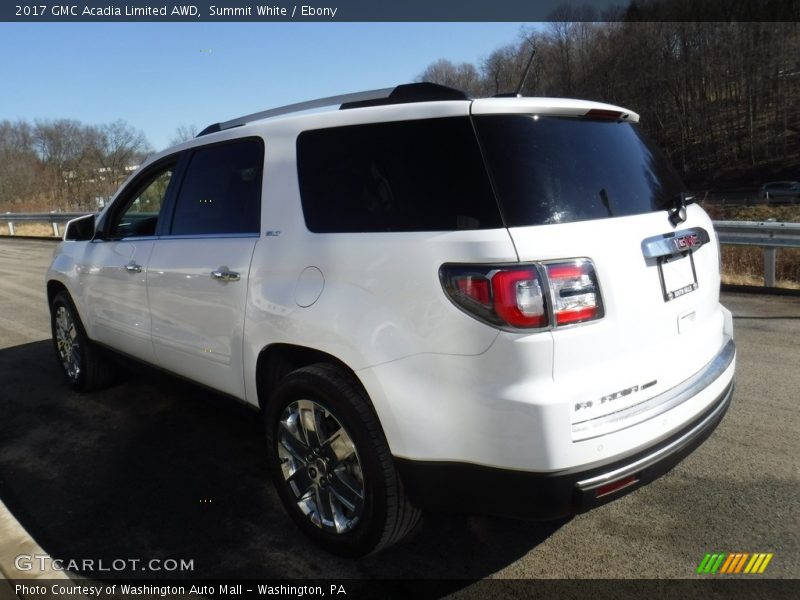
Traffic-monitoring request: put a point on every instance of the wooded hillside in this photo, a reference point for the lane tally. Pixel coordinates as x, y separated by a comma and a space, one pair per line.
722, 99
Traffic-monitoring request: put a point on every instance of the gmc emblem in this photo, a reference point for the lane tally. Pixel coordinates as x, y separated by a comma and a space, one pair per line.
688, 241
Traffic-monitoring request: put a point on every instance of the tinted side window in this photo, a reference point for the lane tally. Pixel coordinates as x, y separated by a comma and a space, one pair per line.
425, 175
221, 191
141, 212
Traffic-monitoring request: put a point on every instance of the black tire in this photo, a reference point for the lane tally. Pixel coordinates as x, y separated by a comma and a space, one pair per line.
383, 515
94, 371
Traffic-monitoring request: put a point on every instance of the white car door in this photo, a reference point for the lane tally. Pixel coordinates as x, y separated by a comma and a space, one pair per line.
114, 267
198, 272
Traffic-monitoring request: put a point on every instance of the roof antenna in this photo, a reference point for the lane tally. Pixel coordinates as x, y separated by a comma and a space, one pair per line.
527, 69
516, 93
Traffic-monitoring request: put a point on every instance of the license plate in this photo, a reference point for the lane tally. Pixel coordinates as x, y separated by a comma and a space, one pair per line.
678, 276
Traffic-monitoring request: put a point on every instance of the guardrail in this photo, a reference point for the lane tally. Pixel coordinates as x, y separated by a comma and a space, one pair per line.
55, 219
770, 235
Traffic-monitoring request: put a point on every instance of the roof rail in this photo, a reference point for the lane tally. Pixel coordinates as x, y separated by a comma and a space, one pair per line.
423, 91
410, 92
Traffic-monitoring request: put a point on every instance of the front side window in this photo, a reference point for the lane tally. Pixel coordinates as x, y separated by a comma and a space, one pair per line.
141, 214
221, 191
425, 175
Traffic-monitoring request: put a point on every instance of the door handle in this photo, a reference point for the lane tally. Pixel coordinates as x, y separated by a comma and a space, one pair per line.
132, 267
223, 274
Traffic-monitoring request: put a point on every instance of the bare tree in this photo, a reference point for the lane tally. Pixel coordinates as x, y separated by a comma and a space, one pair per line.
462, 76
20, 171
503, 68
183, 133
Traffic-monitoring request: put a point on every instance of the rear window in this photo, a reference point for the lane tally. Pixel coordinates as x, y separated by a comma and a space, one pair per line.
425, 175
559, 170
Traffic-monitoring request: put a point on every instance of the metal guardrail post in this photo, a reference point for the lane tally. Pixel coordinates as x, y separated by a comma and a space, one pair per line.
770, 255
11, 228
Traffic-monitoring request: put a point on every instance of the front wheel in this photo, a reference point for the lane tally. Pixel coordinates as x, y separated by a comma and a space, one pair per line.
83, 365
331, 464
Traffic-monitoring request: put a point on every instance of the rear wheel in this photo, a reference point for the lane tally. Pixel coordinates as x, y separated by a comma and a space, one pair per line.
83, 364
331, 464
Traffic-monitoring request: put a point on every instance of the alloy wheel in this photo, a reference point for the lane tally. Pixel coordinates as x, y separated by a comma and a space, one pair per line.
321, 467
68, 343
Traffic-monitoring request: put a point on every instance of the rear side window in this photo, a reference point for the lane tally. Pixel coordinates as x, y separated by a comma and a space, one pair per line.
558, 170
221, 191
425, 175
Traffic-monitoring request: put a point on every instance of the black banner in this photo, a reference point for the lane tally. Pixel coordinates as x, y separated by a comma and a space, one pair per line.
401, 10
717, 587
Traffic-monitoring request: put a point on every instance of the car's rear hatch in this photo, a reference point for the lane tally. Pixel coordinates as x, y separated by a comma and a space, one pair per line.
573, 186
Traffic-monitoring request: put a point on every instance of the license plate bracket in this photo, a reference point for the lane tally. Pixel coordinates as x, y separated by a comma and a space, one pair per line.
677, 274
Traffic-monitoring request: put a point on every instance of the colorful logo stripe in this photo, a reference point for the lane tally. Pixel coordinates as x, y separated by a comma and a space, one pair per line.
734, 563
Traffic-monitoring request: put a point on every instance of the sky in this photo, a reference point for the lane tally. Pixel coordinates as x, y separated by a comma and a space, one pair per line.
157, 76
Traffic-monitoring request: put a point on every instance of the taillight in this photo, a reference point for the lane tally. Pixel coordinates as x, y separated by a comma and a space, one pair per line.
475, 288
518, 298
574, 291
530, 296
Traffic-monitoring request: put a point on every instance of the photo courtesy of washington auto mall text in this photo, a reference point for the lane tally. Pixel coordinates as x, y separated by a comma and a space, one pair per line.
76, 590
177, 11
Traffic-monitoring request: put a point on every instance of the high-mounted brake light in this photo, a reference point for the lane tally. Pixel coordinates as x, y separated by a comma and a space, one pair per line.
601, 113
525, 296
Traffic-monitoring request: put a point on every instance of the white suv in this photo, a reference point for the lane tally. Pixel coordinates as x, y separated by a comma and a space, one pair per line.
500, 305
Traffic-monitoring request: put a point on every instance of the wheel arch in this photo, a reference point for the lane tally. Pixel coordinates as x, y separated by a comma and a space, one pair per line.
275, 361
53, 287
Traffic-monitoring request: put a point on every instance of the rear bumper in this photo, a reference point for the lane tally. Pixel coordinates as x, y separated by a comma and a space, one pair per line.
474, 489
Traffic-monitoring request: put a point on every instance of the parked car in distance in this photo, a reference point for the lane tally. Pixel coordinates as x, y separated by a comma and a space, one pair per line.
503, 306
780, 192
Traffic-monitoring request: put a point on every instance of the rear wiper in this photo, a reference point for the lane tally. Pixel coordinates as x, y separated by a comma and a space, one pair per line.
604, 199
677, 207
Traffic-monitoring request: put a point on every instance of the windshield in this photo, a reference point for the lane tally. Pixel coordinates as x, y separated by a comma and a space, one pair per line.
558, 170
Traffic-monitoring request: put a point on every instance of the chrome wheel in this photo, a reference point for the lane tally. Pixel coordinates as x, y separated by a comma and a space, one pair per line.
68, 343
321, 467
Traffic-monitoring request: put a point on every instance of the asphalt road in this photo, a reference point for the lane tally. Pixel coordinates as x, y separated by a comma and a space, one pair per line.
156, 468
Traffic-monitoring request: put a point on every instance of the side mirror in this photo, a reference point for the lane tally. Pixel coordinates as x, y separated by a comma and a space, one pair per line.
80, 229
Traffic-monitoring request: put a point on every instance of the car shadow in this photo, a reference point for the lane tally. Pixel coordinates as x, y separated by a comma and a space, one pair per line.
156, 468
